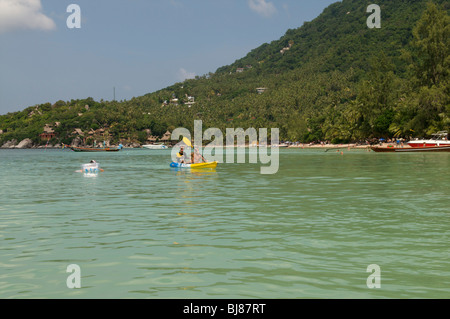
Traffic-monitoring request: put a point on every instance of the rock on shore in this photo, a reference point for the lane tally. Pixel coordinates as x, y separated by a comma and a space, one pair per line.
10, 144
26, 143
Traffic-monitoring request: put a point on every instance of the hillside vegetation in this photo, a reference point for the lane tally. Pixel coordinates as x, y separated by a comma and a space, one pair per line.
331, 79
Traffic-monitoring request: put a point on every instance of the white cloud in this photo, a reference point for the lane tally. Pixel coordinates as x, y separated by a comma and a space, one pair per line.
23, 14
263, 8
184, 75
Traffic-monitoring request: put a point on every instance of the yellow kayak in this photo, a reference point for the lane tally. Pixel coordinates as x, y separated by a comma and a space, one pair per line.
198, 165
204, 165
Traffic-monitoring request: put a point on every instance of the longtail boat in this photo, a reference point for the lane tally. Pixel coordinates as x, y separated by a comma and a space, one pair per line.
92, 149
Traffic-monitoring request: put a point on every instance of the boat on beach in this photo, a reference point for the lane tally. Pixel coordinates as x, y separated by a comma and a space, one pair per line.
437, 139
392, 149
155, 146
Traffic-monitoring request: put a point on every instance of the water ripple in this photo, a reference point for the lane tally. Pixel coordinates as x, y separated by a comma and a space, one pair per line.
143, 230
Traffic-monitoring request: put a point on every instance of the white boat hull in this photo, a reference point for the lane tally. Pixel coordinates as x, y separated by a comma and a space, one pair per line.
155, 147
428, 143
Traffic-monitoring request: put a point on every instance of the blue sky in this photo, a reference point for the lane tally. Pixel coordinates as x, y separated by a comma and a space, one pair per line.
136, 46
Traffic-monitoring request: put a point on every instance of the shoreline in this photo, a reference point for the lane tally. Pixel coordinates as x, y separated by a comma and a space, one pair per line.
282, 146
224, 146
330, 146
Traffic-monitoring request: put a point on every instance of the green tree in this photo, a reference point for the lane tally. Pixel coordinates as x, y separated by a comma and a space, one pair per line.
432, 46
427, 99
377, 96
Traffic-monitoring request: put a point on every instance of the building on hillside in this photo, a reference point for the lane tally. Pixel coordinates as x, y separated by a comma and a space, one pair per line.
166, 137
261, 90
152, 139
191, 101
282, 51
48, 133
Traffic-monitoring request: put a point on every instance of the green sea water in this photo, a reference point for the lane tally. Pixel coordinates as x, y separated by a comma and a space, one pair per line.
143, 230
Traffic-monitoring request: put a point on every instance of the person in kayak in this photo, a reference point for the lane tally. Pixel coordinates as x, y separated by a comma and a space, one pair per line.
180, 156
197, 157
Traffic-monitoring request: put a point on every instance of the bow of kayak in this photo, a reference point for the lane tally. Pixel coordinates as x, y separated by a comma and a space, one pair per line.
197, 165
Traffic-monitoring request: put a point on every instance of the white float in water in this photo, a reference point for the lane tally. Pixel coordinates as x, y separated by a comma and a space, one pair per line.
91, 169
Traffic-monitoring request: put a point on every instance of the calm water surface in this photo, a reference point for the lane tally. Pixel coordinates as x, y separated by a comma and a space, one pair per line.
143, 230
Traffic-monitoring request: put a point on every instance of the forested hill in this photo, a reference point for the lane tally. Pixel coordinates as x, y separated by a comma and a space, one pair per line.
333, 78
339, 38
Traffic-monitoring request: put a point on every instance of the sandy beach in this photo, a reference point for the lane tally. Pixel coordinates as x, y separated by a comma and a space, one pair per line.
331, 146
